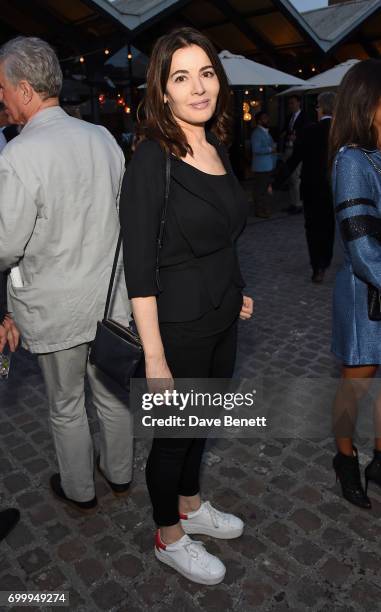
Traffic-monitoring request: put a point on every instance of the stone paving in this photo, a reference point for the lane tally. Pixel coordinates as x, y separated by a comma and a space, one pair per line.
304, 548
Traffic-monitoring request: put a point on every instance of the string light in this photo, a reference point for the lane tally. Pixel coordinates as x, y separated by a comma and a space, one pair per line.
313, 69
247, 117
300, 70
129, 56
261, 89
121, 102
82, 59
101, 98
107, 51
245, 107
246, 92
127, 110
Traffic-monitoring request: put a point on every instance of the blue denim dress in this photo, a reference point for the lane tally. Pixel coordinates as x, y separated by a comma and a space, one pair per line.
356, 185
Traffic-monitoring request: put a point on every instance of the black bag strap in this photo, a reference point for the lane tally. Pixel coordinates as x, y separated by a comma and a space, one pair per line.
159, 239
163, 217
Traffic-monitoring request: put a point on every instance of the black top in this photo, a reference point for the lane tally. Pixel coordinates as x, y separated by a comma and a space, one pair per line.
198, 262
10, 132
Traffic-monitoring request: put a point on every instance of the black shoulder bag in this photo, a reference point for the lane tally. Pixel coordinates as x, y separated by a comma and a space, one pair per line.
117, 350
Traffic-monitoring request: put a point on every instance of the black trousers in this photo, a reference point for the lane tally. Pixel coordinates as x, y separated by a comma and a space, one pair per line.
320, 231
173, 466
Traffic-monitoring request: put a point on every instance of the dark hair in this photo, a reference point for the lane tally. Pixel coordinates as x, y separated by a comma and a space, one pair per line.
158, 122
357, 100
259, 115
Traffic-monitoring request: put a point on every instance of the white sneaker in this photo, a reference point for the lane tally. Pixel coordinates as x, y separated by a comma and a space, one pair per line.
209, 521
190, 559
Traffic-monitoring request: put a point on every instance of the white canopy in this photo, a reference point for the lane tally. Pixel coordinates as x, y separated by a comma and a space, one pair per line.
330, 79
245, 72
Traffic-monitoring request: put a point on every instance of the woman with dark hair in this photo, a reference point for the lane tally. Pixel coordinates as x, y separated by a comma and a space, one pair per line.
188, 326
355, 143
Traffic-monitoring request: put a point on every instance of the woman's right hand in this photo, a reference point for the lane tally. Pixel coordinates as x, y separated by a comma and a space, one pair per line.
158, 374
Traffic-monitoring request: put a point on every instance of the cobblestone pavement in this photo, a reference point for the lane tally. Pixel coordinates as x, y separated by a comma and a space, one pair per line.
304, 548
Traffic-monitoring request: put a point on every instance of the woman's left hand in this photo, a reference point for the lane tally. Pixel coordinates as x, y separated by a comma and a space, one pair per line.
247, 308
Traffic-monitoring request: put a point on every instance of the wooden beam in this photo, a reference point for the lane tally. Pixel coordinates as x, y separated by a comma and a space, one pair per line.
233, 16
249, 15
298, 26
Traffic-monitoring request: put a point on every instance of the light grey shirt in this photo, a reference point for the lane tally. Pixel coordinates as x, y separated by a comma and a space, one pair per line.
59, 191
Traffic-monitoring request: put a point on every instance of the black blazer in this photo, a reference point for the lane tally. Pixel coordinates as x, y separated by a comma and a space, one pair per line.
198, 260
299, 125
312, 151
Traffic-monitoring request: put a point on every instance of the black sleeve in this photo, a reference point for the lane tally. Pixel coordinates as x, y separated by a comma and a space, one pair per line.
285, 169
141, 205
3, 296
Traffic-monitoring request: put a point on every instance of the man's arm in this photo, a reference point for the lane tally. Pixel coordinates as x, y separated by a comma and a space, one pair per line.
8, 330
18, 213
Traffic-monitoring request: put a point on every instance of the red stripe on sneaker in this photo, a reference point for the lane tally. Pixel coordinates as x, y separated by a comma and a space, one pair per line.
183, 517
158, 543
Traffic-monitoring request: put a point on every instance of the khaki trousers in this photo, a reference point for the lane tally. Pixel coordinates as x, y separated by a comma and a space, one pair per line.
64, 374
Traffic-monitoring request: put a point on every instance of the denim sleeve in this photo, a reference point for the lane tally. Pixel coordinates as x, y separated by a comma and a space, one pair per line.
357, 209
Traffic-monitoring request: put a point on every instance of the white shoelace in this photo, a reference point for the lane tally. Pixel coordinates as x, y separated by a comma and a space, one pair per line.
197, 551
216, 516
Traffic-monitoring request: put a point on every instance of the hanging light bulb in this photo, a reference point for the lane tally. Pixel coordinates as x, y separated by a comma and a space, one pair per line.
107, 51
313, 69
101, 98
82, 59
129, 56
127, 109
261, 89
246, 107
121, 102
300, 70
247, 117
246, 92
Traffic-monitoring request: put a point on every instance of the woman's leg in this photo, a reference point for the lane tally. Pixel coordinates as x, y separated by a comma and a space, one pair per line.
355, 382
354, 385
187, 357
222, 366
163, 474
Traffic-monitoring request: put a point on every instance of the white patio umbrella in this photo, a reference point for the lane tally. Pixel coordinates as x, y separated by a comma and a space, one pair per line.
329, 79
245, 72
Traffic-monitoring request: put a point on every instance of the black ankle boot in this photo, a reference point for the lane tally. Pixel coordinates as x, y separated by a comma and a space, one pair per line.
348, 472
373, 470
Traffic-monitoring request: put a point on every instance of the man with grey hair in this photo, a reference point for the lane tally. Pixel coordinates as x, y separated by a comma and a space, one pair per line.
59, 191
315, 188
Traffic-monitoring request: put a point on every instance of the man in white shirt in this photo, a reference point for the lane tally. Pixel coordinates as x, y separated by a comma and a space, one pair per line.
59, 191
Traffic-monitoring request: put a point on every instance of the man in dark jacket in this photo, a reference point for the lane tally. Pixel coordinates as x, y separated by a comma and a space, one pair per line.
292, 134
9, 517
312, 151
